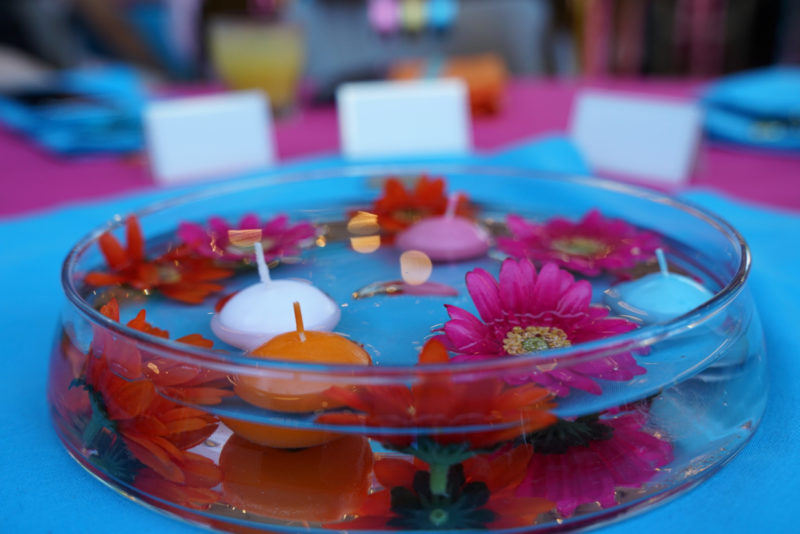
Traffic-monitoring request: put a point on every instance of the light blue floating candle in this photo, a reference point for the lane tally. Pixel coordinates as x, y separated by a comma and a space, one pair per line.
657, 297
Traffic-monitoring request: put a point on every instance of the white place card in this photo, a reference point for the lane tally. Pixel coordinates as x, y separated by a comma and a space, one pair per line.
404, 118
203, 137
648, 138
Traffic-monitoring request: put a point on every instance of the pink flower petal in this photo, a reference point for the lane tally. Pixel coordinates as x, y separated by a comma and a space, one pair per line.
593, 473
483, 290
514, 288
576, 298
249, 222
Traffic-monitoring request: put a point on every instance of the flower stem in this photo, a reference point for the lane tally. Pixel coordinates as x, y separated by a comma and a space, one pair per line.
99, 419
439, 474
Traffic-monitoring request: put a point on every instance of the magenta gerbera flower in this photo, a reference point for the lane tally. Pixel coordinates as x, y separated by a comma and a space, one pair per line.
589, 459
278, 237
526, 312
590, 246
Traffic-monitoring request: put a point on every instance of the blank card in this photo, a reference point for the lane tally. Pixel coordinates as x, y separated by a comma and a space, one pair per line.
404, 118
209, 136
648, 138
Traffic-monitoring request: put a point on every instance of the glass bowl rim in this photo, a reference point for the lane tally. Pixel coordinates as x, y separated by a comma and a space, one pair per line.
214, 358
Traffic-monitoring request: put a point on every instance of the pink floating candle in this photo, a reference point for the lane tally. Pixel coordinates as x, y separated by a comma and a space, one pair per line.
264, 310
448, 237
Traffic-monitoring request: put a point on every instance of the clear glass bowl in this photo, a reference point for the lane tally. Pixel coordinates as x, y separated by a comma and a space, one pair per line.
591, 420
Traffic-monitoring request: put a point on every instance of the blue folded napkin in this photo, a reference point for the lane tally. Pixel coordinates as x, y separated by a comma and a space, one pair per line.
758, 108
80, 111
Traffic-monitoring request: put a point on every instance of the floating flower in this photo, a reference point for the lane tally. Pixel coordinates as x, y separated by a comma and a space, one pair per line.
587, 460
480, 494
278, 237
527, 312
592, 245
140, 436
399, 207
437, 401
174, 379
177, 274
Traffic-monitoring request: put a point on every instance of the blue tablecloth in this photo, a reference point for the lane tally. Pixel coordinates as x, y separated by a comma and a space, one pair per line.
43, 490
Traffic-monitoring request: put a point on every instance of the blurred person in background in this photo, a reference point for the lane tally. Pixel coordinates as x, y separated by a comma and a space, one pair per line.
533, 37
71, 33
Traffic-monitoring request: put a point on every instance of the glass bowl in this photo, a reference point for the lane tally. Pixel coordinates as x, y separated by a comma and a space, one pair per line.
498, 396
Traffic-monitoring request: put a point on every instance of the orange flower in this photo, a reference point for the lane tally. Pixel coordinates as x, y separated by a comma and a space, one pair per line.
173, 379
481, 495
436, 401
399, 208
178, 274
126, 388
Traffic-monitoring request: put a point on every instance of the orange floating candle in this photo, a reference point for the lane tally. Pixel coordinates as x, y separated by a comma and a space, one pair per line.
302, 392
294, 391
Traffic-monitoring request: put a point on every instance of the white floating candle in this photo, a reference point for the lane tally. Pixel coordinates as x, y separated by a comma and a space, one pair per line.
448, 237
262, 311
657, 297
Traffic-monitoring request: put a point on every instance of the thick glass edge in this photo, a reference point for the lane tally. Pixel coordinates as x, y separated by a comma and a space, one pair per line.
640, 337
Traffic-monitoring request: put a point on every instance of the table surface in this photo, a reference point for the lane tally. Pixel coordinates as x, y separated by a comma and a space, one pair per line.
43, 490
37, 180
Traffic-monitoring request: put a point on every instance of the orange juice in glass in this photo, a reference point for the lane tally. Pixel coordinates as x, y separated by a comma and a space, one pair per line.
253, 54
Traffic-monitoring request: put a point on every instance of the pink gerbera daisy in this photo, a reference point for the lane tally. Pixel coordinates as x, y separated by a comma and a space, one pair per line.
527, 312
278, 237
590, 246
587, 460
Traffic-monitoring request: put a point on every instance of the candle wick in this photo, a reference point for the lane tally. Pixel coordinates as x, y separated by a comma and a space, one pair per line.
298, 320
452, 205
263, 270
662, 262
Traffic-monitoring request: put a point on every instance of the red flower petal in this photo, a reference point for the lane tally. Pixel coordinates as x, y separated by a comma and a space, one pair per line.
112, 250
134, 239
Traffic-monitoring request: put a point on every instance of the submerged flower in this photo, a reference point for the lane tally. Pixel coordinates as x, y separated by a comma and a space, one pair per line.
437, 401
278, 237
590, 246
587, 460
170, 377
480, 494
177, 274
136, 433
525, 311
399, 207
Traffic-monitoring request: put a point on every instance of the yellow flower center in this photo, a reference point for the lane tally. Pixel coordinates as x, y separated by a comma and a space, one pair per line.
534, 339
580, 246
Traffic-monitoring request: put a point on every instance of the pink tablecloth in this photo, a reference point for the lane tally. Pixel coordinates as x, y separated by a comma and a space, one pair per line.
34, 180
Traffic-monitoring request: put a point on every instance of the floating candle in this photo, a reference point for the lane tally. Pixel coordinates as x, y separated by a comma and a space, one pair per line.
448, 237
657, 297
293, 391
264, 310
297, 394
